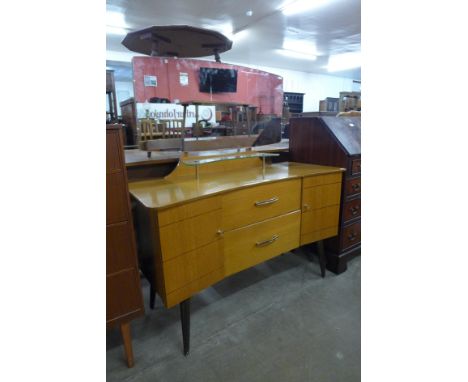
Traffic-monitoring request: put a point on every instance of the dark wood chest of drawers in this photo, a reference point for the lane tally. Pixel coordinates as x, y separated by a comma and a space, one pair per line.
334, 141
123, 292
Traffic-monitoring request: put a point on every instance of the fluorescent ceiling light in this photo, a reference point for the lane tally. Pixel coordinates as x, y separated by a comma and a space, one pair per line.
300, 6
240, 35
300, 46
227, 30
300, 56
344, 61
115, 19
116, 31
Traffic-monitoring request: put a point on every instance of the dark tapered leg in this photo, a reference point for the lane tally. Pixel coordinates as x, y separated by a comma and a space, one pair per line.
152, 296
127, 341
321, 256
185, 321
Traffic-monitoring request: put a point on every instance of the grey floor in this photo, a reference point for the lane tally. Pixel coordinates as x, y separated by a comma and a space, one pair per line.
279, 321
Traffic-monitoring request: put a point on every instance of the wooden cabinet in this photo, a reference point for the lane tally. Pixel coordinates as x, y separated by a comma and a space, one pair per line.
129, 117
111, 113
334, 141
198, 226
123, 291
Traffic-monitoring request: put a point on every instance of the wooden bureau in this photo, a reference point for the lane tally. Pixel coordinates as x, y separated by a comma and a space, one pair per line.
203, 223
123, 292
335, 141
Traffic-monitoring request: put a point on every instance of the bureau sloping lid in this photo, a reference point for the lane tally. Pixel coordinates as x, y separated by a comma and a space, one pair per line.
347, 130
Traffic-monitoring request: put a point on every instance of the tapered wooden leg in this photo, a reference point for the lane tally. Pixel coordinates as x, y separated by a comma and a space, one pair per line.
185, 321
321, 256
152, 296
127, 342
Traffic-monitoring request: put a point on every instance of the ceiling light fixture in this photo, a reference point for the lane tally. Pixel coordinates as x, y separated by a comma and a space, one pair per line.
236, 37
228, 31
298, 55
300, 6
115, 19
115, 23
344, 61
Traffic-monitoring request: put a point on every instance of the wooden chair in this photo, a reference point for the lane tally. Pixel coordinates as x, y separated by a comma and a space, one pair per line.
172, 128
146, 129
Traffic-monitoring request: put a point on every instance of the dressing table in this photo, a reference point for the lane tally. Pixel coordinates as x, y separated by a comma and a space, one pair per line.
219, 214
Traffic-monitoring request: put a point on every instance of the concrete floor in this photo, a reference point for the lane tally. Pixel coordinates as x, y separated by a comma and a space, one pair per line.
279, 321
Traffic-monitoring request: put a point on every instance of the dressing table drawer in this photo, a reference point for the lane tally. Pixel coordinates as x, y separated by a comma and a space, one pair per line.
254, 244
255, 204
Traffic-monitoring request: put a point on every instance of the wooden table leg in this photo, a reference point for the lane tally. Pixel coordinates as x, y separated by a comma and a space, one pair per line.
321, 256
152, 296
185, 321
127, 342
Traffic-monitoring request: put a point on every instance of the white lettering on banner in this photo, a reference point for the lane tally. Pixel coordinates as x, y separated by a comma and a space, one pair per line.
165, 111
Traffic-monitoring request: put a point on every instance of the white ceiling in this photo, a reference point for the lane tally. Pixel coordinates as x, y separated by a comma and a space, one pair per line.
333, 27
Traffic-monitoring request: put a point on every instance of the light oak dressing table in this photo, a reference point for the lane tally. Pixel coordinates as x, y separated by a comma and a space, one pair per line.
215, 216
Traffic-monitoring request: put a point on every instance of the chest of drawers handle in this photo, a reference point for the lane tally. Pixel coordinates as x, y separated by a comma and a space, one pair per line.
266, 202
356, 186
352, 236
354, 210
267, 242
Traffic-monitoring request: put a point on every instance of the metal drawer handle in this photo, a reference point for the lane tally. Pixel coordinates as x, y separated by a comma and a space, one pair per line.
266, 202
352, 236
267, 242
356, 186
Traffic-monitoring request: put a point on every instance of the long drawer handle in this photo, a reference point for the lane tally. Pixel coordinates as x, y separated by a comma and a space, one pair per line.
267, 242
267, 201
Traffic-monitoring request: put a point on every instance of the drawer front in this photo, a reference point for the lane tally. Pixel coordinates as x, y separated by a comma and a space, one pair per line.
351, 209
355, 166
189, 234
353, 186
351, 235
116, 198
123, 295
321, 196
255, 204
119, 247
319, 180
187, 268
248, 246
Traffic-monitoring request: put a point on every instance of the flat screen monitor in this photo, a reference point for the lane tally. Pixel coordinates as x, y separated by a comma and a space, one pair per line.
213, 80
